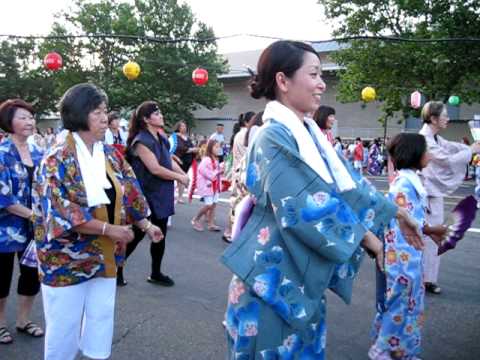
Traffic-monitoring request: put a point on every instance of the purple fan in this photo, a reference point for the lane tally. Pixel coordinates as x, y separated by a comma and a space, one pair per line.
242, 214
463, 215
29, 257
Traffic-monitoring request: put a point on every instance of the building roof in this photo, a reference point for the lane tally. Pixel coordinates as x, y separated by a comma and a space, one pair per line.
240, 61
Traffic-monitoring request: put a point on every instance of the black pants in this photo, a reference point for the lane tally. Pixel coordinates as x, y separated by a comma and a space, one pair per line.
28, 282
157, 250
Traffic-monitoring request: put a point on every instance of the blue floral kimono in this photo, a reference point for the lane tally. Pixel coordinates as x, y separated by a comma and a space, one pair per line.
400, 291
302, 238
15, 189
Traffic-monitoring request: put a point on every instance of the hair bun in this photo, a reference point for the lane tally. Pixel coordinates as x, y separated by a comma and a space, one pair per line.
256, 91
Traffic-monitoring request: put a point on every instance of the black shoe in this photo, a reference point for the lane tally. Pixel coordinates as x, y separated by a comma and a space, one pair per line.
433, 288
120, 280
161, 279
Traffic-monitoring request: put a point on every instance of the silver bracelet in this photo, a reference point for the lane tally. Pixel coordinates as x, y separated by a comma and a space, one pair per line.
104, 228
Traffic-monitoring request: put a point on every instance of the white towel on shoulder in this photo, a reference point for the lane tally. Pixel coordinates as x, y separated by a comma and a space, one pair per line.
93, 170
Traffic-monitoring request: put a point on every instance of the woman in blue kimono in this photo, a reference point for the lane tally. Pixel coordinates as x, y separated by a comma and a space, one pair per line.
400, 289
311, 214
18, 161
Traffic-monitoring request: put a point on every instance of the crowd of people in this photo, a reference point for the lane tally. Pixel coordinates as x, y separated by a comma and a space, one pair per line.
75, 204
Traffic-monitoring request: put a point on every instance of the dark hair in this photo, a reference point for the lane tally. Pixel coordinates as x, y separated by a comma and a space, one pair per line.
406, 150
257, 120
220, 124
321, 115
79, 101
7, 112
176, 127
137, 121
282, 56
358, 139
431, 108
211, 143
113, 115
243, 119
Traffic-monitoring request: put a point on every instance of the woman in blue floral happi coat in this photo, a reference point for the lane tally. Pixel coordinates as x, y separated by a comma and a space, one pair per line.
18, 161
311, 215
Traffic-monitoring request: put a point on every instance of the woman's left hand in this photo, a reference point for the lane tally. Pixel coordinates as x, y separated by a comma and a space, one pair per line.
155, 233
409, 229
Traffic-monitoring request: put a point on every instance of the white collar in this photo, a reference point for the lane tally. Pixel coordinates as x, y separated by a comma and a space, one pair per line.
307, 148
93, 170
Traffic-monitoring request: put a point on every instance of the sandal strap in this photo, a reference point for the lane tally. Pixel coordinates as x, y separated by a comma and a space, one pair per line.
5, 333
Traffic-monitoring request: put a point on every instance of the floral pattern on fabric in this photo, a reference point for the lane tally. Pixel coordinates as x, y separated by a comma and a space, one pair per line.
60, 204
302, 234
14, 189
398, 322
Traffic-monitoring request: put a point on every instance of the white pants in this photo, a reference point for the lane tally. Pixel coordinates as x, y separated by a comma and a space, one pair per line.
431, 261
79, 317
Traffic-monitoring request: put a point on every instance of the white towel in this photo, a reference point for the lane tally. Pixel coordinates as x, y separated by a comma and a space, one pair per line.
93, 170
307, 148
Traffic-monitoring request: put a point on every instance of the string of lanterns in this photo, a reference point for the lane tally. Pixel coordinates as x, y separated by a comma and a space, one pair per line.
53, 62
369, 94
132, 70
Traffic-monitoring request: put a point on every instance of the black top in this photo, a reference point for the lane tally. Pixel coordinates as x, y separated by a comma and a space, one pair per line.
159, 192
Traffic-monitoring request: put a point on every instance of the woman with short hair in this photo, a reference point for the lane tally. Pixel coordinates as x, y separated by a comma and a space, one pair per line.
325, 119
442, 176
18, 161
86, 198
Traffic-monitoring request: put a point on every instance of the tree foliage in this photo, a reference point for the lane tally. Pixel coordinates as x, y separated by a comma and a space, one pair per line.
166, 67
395, 69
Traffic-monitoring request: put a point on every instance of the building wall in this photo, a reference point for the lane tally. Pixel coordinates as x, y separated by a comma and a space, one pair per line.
353, 119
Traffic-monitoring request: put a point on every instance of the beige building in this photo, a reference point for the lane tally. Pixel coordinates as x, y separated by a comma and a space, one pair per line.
354, 119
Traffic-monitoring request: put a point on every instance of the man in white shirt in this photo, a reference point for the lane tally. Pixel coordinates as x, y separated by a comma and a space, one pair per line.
218, 136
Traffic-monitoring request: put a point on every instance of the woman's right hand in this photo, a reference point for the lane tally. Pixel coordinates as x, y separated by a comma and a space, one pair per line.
184, 179
155, 233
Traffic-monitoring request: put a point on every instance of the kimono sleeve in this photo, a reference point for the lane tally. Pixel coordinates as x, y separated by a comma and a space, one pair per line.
306, 209
7, 197
56, 190
449, 154
135, 203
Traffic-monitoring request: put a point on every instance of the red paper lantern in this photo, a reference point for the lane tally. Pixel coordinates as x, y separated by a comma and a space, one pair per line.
53, 61
200, 76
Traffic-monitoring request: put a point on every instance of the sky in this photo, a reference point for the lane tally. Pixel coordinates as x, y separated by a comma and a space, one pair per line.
291, 19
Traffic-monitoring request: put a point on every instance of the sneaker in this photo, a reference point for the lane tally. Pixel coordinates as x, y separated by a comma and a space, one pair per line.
161, 279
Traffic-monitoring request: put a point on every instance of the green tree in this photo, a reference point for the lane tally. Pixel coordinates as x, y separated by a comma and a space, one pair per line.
21, 76
395, 69
166, 67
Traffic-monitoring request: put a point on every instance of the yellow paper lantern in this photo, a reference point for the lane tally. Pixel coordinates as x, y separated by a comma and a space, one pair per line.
131, 70
368, 94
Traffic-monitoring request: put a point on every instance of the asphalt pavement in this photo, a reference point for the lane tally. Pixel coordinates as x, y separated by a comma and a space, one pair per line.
185, 322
